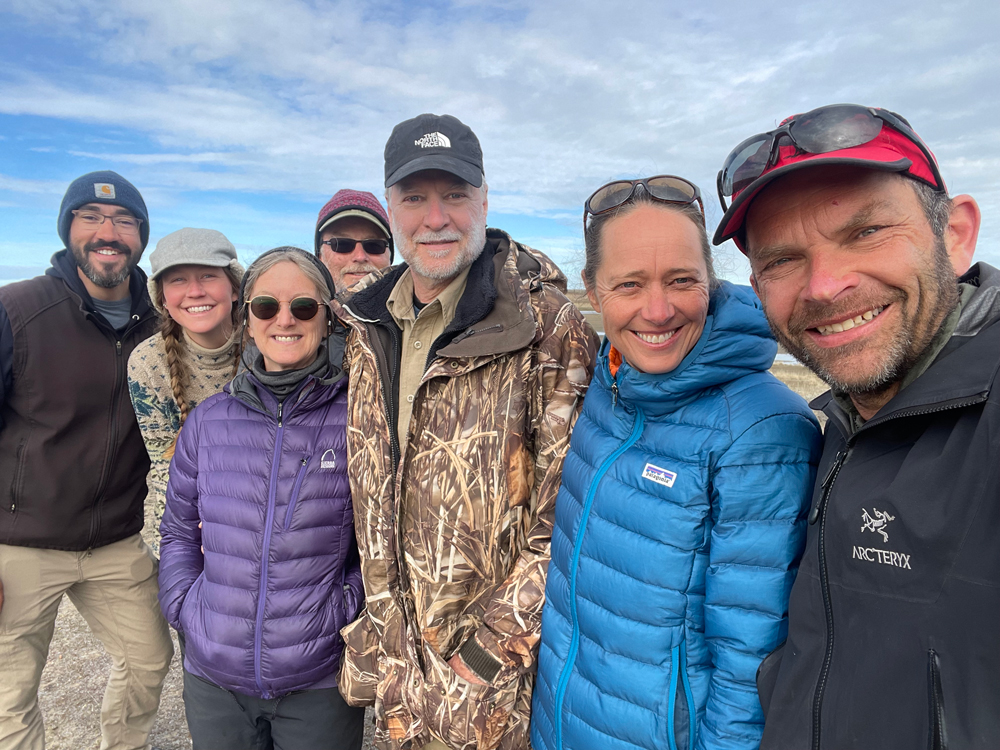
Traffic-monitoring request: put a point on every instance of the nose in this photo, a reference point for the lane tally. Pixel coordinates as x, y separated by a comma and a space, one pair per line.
284, 318
658, 307
830, 277
436, 217
358, 254
195, 289
106, 231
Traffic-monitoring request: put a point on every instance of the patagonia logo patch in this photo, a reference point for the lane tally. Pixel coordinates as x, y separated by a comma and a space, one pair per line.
104, 190
658, 475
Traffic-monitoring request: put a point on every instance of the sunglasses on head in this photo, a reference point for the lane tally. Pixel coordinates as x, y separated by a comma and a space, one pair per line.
821, 131
663, 188
302, 308
344, 245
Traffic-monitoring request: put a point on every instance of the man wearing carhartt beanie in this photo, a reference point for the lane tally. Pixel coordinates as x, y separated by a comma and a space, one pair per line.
73, 457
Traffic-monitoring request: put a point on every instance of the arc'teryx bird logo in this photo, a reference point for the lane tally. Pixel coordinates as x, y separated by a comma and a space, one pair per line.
877, 523
433, 140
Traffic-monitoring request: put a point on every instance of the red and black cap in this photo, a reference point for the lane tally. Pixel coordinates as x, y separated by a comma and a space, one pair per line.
889, 151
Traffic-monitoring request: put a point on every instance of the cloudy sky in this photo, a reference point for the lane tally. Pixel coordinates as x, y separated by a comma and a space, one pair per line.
246, 116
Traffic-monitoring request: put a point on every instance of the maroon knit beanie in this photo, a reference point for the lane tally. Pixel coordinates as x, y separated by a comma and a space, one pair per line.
354, 203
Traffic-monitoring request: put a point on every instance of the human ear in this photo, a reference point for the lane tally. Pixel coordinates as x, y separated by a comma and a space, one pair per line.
962, 232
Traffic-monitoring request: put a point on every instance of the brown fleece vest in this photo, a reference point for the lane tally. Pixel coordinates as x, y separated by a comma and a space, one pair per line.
72, 462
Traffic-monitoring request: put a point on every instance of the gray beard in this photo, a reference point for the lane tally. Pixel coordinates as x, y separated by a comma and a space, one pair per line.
473, 244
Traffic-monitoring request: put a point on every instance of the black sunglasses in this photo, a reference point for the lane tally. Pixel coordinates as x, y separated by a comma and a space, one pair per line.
664, 188
344, 245
302, 308
820, 131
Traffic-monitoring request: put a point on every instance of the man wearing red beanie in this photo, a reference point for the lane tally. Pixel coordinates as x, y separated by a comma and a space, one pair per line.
352, 237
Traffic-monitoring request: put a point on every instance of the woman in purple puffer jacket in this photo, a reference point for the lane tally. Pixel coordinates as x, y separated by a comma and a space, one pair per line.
259, 566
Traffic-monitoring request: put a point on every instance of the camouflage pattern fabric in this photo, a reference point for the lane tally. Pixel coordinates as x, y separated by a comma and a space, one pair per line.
455, 543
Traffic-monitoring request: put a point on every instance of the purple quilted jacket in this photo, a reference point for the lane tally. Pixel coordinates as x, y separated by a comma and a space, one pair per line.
262, 608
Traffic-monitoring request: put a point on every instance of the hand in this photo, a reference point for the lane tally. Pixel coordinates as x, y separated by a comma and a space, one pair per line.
459, 668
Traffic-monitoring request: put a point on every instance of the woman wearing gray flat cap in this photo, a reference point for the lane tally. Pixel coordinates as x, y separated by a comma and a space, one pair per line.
194, 285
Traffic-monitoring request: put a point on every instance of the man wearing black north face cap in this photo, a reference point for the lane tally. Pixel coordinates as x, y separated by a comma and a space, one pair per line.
73, 458
467, 367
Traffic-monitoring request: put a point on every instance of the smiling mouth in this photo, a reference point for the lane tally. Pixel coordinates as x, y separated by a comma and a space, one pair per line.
849, 323
286, 339
656, 338
107, 251
199, 309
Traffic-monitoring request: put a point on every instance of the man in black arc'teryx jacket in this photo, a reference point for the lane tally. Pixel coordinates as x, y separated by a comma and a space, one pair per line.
73, 467
862, 263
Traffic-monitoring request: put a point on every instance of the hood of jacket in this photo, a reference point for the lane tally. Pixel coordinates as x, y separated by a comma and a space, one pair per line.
736, 341
63, 266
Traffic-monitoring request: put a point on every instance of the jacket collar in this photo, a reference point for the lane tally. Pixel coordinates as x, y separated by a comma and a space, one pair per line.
965, 369
64, 267
494, 315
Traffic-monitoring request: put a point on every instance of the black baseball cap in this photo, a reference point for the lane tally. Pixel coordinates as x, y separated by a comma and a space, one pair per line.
433, 142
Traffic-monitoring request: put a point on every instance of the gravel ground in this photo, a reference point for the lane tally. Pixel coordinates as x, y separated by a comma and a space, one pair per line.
77, 669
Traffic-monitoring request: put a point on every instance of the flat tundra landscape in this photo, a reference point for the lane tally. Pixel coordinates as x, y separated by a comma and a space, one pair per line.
77, 669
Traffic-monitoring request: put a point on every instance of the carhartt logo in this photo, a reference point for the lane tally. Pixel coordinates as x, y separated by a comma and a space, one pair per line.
877, 521
658, 475
328, 460
104, 190
433, 140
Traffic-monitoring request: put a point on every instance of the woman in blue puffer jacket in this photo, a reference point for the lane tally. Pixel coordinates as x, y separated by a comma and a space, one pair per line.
259, 565
681, 516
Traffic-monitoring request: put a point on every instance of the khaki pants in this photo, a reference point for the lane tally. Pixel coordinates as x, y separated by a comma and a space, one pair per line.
114, 588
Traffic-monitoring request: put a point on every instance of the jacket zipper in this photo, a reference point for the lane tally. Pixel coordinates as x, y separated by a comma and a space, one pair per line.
818, 514
574, 644
18, 470
295, 492
678, 672
272, 492
937, 731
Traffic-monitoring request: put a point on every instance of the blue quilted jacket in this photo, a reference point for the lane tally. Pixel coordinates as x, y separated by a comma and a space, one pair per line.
263, 605
678, 530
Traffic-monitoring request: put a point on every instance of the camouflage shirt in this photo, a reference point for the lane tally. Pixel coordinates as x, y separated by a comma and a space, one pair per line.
454, 524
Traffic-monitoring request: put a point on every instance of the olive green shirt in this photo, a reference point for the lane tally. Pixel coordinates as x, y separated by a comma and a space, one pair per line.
419, 333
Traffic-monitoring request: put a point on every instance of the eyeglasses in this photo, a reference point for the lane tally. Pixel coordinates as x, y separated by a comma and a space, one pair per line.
93, 219
821, 131
344, 245
663, 188
302, 308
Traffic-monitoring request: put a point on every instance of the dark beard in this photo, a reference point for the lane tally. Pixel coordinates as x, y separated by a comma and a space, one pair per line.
902, 353
107, 280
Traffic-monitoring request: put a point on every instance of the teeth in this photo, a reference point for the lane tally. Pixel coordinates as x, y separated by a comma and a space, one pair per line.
655, 338
106, 251
846, 325
287, 338
200, 308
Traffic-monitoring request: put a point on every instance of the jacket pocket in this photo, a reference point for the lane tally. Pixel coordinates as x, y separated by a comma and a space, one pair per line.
296, 488
462, 713
767, 676
15, 484
359, 666
681, 715
937, 732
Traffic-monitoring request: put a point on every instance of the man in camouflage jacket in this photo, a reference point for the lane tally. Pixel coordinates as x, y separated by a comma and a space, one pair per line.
454, 472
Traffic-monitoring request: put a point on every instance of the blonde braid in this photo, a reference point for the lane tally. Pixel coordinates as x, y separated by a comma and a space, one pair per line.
171, 332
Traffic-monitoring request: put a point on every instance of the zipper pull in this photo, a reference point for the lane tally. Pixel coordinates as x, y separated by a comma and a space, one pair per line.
614, 395
118, 348
280, 405
815, 513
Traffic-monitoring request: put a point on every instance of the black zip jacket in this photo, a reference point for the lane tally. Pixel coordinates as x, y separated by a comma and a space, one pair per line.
72, 462
894, 619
